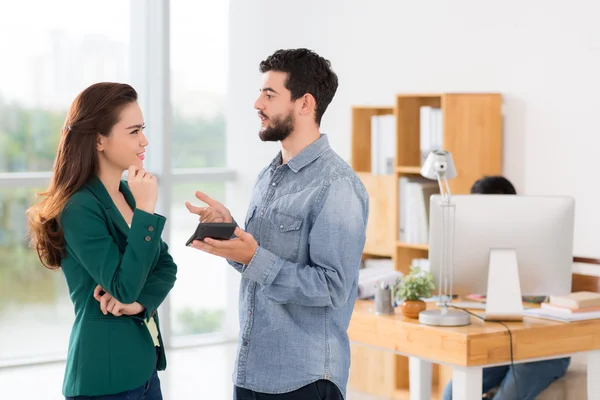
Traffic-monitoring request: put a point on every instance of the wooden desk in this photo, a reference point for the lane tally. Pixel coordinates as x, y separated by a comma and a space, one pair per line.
469, 348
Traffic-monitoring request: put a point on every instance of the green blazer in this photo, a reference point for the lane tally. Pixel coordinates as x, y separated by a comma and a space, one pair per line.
109, 354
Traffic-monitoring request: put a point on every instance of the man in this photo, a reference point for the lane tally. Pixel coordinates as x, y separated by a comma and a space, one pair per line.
299, 256
522, 381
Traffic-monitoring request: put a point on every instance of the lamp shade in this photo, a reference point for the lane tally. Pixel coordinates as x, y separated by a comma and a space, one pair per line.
439, 162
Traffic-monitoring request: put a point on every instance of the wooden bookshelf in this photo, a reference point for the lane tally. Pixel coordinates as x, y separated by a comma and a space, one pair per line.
472, 132
380, 228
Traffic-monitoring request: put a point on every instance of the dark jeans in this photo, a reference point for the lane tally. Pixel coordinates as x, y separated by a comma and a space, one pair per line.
148, 391
319, 390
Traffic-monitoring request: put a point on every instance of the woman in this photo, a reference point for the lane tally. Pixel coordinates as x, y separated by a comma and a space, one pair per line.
103, 233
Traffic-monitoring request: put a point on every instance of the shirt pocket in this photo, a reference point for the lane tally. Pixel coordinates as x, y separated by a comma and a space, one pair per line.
286, 231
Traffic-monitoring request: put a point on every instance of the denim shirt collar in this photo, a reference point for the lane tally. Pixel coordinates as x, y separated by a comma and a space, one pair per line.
306, 156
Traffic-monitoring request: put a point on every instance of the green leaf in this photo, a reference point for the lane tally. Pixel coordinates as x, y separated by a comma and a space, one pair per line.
416, 285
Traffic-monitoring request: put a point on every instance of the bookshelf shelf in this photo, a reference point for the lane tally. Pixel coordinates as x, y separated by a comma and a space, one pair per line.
377, 254
471, 129
419, 95
409, 170
415, 246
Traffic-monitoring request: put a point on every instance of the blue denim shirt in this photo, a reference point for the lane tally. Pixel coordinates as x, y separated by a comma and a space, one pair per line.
297, 294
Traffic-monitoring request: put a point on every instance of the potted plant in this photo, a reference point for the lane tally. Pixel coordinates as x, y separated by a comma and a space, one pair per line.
413, 287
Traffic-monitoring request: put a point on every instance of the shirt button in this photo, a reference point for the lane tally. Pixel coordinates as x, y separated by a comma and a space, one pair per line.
150, 228
148, 238
273, 184
280, 226
249, 312
262, 213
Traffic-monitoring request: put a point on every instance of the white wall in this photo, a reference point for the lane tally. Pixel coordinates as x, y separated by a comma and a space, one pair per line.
543, 56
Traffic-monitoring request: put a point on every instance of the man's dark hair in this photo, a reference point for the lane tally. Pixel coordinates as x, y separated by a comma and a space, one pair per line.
493, 185
307, 73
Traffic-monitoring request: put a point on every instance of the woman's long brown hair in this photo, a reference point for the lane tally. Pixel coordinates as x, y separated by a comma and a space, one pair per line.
94, 111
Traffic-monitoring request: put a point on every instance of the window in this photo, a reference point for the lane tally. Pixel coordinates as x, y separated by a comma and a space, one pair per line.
57, 53
199, 298
61, 50
198, 48
198, 82
35, 311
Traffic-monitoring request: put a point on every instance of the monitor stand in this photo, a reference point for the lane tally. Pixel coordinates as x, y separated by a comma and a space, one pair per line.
504, 301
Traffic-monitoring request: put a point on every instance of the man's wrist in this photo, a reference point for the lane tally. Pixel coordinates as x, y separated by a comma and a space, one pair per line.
249, 259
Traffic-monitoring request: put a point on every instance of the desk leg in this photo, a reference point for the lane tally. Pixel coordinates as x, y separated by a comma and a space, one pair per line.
419, 374
593, 372
467, 383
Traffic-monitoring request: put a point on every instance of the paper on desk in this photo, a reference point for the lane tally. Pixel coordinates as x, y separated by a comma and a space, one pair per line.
562, 317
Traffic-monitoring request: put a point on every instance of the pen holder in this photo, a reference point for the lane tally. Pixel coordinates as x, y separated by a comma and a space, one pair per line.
383, 302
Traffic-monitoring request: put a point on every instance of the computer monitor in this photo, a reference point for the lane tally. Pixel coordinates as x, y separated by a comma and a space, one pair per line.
506, 246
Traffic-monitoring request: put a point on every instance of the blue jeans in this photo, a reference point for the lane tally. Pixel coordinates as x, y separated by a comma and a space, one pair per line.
532, 379
148, 391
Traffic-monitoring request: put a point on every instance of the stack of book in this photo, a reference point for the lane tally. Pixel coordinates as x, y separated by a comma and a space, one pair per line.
374, 273
578, 306
383, 144
431, 130
414, 194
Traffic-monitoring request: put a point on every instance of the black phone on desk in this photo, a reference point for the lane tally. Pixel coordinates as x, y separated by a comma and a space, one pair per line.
213, 230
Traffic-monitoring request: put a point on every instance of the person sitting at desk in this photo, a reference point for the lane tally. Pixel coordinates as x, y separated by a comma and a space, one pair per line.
526, 379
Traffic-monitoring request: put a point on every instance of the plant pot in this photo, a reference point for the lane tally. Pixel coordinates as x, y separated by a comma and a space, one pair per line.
412, 308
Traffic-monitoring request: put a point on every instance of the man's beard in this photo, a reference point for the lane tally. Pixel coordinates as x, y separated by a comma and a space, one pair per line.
279, 130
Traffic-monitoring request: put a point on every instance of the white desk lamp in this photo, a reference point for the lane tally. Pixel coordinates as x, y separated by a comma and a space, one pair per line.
440, 166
